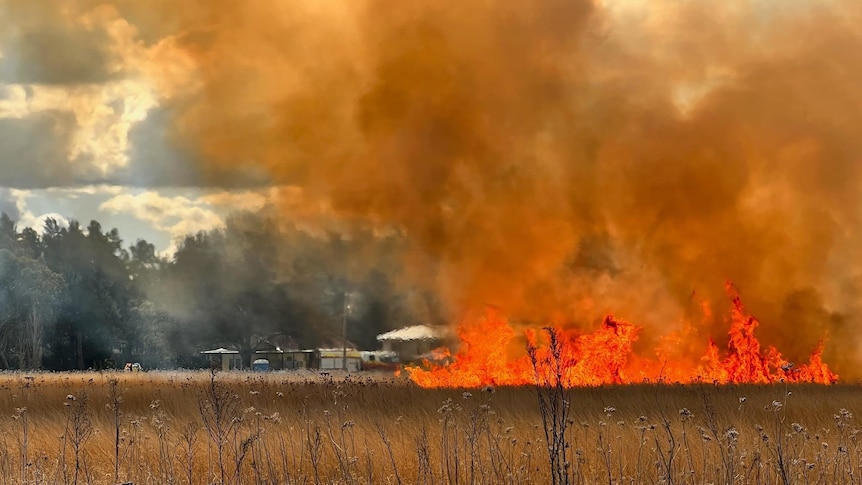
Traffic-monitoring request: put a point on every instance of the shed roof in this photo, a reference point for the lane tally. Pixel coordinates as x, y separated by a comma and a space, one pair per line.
220, 350
416, 332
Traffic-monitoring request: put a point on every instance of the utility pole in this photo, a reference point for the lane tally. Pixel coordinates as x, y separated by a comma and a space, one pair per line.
344, 334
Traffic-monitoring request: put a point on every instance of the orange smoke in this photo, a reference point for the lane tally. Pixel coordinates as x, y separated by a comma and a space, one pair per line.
605, 357
537, 155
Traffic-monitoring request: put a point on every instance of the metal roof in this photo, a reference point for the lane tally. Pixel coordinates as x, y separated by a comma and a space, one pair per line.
416, 332
220, 350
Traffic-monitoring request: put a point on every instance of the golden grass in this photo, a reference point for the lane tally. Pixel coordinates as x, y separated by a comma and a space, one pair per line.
306, 428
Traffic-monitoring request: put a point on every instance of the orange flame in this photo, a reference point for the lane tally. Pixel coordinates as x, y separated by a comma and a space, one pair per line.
605, 357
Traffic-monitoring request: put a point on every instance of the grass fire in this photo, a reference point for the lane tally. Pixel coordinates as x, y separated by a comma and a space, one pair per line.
605, 357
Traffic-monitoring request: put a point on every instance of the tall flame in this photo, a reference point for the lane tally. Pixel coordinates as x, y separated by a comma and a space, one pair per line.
605, 356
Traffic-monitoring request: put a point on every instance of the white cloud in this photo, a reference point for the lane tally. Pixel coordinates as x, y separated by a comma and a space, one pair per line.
177, 216
13, 103
237, 201
106, 112
37, 223
86, 190
20, 197
29, 219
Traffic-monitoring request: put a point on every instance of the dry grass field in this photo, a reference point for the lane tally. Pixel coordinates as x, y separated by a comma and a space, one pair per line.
296, 428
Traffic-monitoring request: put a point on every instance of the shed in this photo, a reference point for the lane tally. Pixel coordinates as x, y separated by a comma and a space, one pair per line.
337, 359
319, 359
411, 342
226, 359
280, 359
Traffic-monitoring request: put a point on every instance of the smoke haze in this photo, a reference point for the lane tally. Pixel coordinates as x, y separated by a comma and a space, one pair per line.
558, 159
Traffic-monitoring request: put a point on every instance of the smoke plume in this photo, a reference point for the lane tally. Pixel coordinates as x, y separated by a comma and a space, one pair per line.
557, 159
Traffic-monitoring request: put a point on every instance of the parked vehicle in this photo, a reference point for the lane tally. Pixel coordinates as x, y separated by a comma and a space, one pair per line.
383, 360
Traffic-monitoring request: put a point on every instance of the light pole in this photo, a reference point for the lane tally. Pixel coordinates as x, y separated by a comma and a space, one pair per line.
344, 335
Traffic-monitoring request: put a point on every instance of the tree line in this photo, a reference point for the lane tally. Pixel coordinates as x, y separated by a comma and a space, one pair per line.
74, 297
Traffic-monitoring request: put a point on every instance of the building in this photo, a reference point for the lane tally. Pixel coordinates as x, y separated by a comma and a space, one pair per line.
336, 359
314, 359
224, 359
412, 342
280, 359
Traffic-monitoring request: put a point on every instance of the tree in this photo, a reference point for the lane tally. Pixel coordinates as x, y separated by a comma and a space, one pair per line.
30, 297
73, 297
40, 292
97, 311
8, 232
8, 304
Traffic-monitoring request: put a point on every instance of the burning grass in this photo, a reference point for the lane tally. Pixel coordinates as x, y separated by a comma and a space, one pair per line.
185, 427
606, 356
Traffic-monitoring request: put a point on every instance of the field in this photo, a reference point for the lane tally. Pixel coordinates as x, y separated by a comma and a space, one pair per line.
296, 428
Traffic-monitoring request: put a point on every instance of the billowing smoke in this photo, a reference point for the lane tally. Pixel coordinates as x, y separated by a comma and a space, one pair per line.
557, 159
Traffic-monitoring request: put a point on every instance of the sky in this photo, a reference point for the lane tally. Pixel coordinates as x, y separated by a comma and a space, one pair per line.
83, 130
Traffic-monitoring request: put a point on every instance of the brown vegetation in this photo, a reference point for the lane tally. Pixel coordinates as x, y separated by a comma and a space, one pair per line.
295, 428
